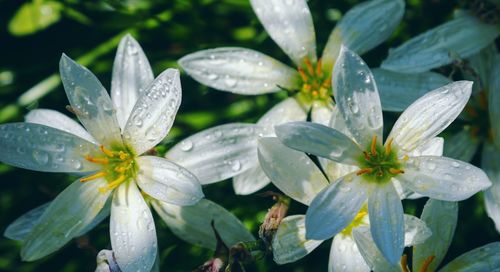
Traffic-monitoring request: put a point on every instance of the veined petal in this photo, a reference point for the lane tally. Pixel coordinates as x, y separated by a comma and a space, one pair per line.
335, 207
250, 181
321, 113
461, 146
75, 208
387, 221
443, 178
55, 119
416, 231
167, 181
90, 102
218, 153
345, 255
485, 258
239, 70
398, 91
363, 27
290, 25
192, 223
458, 38
41, 148
357, 97
22, 226
319, 140
294, 173
290, 243
494, 101
430, 115
131, 75
489, 163
371, 254
132, 230
433, 147
441, 218
286, 111
154, 113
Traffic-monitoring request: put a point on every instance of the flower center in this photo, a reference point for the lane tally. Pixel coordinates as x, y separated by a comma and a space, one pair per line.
357, 221
380, 163
118, 166
316, 84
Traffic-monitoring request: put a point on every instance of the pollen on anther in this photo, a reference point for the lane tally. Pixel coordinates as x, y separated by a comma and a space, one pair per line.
97, 160
94, 176
388, 146
374, 146
364, 171
106, 151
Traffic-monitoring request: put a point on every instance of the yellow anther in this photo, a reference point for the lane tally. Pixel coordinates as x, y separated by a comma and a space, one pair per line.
364, 171
388, 146
302, 74
319, 71
360, 215
395, 171
315, 93
123, 155
94, 176
327, 82
106, 151
374, 146
404, 263
112, 185
426, 263
97, 160
367, 156
406, 158
306, 87
309, 66
122, 169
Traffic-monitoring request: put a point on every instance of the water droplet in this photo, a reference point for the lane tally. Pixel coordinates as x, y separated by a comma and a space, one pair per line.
41, 157
455, 164
77, 165
21, 150
431, 166
230, 82
235, 165
186, 145
138, 121
353, 106
212, 76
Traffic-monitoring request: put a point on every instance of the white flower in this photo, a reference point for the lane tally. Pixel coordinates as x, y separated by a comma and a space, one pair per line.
289, 24
118, 131
378, 165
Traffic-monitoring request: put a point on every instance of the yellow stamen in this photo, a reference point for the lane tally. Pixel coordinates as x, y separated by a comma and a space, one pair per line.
307, 87
97, 160
388, 146
106, 151
360, 215
112, 185
94, 176
123, 155
364, 171
406, 158
309, 66
426, 263
374, 145
315, 93
404, 263
302, 74
367, 156
327, 82
122, 169
396, 171
319, 72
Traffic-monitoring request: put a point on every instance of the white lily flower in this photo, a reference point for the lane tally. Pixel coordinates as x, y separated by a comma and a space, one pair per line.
118, 131
289, 24
378, 165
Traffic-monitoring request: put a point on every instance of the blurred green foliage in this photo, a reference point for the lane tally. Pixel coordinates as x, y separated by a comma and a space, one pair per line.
35, 33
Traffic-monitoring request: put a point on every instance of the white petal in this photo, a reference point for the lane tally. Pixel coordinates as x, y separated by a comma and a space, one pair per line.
458, 38
90, 102
489, 163
239, 70
386, 221
218, 153
22, 226
319, 140
485, 258
167, 181
430, 115
494, 99
41, 148
290, 243
398, 91
154, 113
294, 173
132, 230
335, 207
286, 111
357, 97
192, 223
433, 147
106, 262
441, 218
461, 146
416, 231
371, 254
55, 119
250, 181
131, 75
364, 26
67, 215
321, 113
443, 178
290, 25
345, 256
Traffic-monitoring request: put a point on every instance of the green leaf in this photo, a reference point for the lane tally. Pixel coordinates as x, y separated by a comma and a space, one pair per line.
35, 16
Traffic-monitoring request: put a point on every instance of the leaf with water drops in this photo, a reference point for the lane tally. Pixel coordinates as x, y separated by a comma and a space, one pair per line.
485, 258
345, 255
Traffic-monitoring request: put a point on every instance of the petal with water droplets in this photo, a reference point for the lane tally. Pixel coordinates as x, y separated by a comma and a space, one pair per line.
288, 110
250, 181
345, 255
485, 258
371, 254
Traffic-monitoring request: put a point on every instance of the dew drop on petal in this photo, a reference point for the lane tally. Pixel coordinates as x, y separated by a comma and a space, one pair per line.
186, 145
41, 157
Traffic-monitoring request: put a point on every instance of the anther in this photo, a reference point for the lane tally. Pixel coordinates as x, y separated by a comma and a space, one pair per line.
426, 263
374, 145
307, 87
327, 82
123, 155
309, 66
106, 151
388, 146
302, 74
395, 171
406, 158
319, 71
364, 171
97, 160
315, 93
404, 263
94, 176
367, 156
112, 185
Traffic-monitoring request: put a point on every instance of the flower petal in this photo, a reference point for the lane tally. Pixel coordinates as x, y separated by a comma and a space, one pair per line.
433, 147
294, 173
345, 255
22, 226
357, 97
398, 91
250, 181
154, 113
55, 119
106, 262
167, 181
461, 146
132, 230
371, 254
485, 258
387, 221
335, 207
363, 27
286, 111
75, 208
494, 99
430, 115
90, 102
290, 25
458, 38
41, 148
218, 153
239, 70
131, 75
192, 223
319, 140
321, 113
441, 218
290, 243
489, 163
443, 178
416, 231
